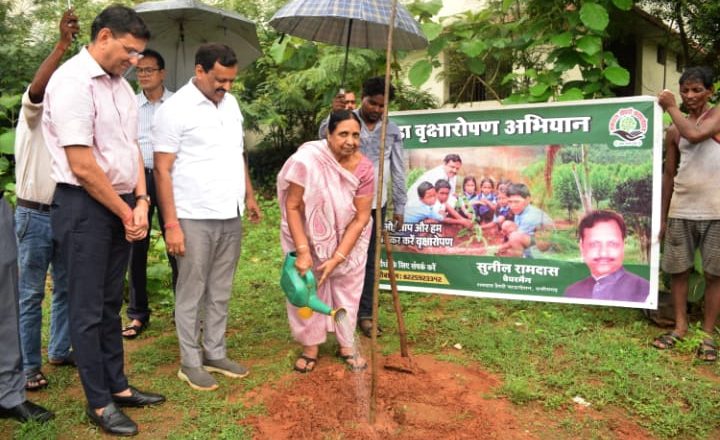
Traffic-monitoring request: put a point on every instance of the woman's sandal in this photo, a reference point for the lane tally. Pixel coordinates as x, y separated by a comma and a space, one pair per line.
352, 361
667, 341
707, 351
35, 380
309, 364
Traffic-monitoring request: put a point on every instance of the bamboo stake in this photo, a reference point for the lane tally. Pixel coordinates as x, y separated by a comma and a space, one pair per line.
378, 218
396, 298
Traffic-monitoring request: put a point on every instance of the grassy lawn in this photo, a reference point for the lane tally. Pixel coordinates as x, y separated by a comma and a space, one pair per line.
545, 355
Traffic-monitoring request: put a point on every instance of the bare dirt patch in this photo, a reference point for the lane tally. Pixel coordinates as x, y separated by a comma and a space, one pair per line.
440, 400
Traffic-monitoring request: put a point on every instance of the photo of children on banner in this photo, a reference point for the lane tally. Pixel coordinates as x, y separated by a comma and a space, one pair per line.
445, 205
531, 221
479, 205
514, 241
507, 212
602, 236
435, 204
421, 208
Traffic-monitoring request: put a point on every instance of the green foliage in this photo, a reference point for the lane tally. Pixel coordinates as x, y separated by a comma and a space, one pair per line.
28, 37
413, 175
287, 93
698, 26
520, 51
9, 109
420, 72
565, 190
594, 16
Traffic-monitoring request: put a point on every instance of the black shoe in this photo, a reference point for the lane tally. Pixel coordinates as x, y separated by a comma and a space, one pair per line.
67, 361
27, 411
113, 421
365, 326
138, 399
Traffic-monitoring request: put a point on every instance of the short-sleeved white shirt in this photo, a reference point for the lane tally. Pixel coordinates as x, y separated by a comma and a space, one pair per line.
207, 140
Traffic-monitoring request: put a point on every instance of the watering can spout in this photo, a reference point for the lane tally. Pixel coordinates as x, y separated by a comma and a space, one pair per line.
301, 291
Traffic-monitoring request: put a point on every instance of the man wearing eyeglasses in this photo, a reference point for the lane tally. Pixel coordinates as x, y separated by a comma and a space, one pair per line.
100, 204
150, 71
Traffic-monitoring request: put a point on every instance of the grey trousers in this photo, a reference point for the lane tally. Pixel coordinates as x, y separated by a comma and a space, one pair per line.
12, 379
205, 277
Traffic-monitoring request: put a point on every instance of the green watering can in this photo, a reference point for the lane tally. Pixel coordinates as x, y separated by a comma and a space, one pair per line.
301, 291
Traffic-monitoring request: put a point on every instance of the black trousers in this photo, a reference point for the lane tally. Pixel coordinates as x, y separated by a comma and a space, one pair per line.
138, 307
366, 299
92, 240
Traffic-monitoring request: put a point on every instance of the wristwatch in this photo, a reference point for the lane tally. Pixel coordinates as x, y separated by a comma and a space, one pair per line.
143, 197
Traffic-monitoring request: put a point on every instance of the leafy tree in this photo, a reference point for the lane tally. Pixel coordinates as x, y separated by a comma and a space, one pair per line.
29, 33
698, 26
528, 46
565, 189
632, 197
602, 181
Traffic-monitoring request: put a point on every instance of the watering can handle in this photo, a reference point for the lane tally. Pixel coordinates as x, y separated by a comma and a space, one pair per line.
308, 278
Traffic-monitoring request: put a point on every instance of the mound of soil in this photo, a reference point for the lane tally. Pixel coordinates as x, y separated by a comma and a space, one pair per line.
438, 400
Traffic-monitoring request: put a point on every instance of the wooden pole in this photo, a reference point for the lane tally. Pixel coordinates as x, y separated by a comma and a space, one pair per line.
396, 297
378, 218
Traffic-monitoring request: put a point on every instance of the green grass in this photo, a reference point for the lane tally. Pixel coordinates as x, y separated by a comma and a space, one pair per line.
544, 355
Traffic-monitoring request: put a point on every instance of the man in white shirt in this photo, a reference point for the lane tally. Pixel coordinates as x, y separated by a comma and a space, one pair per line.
151, 74
36, 252
204, 187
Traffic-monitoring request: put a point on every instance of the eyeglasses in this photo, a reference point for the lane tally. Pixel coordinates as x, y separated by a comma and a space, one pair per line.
147, 70
132, 53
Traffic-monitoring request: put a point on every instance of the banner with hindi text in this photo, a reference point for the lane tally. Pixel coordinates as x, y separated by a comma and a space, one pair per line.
466, 234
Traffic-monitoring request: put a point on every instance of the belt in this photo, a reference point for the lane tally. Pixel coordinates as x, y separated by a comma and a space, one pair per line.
29, 204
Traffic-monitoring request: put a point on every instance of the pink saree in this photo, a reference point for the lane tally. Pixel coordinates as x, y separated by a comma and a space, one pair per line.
328, 198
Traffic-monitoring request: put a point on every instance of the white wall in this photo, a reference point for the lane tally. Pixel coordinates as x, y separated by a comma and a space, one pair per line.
655, 77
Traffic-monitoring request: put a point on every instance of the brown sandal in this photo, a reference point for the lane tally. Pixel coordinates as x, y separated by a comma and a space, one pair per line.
309, 364
667, 341
352, 361
35, 380
707, 351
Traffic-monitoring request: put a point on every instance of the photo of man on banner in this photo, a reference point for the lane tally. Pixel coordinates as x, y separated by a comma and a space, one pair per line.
602, 244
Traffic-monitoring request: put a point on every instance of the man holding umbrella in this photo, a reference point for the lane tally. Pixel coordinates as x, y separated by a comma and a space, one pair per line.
370, 113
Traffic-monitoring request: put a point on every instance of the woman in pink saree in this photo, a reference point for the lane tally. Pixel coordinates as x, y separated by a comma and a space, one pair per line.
325, 191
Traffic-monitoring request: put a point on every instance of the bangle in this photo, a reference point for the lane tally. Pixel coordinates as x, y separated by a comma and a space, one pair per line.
171, 225
339, 254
